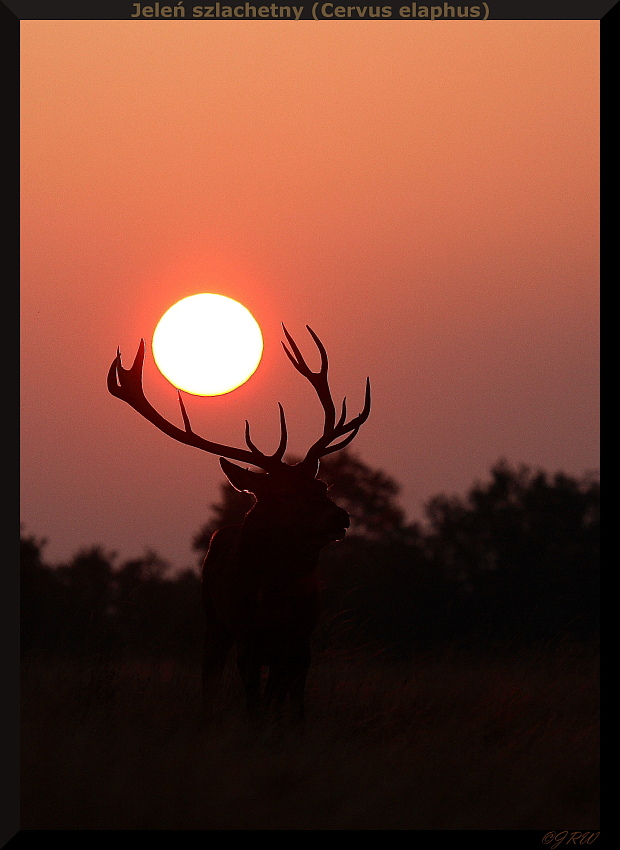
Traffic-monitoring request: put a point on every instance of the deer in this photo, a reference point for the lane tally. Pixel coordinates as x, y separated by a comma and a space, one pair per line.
260, 582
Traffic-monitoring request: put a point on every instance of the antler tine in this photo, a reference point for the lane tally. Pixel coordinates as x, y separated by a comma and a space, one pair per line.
332, 430
298, 361
343, 415
318, 379
126, 384
321, 347
322, 447
279, 452
186, 421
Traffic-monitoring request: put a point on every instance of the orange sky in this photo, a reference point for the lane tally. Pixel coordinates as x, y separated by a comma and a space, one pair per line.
424, 196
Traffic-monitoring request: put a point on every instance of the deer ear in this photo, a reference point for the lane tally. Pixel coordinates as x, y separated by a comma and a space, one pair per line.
242, 479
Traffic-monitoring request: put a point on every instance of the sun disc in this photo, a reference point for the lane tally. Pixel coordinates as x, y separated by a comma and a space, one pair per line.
207, 344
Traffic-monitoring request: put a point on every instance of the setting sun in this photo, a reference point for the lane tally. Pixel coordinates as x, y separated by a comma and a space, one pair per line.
207, 344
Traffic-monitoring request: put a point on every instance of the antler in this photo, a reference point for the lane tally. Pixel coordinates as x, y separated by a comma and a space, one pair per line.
126, 384
332, 430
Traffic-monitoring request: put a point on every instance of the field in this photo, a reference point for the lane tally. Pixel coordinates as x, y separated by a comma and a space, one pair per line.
445, 742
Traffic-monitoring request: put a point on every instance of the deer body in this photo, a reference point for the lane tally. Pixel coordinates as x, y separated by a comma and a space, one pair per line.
260, 591
260, 586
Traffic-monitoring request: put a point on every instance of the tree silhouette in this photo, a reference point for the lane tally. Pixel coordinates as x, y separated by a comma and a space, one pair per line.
43, 607
157, 611
516, 559
525, 550
88, 581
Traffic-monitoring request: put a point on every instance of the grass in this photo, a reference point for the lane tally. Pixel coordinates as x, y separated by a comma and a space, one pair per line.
443, 743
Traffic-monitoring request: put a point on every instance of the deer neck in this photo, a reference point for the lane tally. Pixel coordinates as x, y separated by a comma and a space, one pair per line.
262, 543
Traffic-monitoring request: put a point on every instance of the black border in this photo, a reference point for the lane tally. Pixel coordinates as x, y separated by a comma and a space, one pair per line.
499, 10
11, 13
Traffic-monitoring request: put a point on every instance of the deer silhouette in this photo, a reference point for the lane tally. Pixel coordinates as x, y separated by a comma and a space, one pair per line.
260, 587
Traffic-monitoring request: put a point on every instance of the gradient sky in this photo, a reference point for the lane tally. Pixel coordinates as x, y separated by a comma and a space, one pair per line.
424, 196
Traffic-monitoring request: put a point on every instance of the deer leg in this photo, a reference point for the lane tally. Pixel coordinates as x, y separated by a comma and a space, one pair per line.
287, 678
297, 691
298, 688
217, 644
276, 690
249, 666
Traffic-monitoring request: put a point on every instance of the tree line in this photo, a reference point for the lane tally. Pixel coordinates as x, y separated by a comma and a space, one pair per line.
515, 561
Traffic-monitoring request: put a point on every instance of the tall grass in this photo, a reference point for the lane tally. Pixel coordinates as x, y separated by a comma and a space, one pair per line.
442, 743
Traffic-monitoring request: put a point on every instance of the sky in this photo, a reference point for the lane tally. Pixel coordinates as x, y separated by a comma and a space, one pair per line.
424, 196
